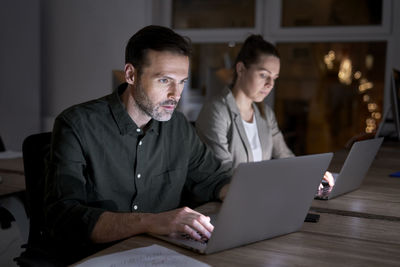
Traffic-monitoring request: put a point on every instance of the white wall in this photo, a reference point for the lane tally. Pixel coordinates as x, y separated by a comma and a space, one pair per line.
83, 41
56, 53
19, 71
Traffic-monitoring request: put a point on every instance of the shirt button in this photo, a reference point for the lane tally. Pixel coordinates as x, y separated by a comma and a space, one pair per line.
138, 130
139, 175
135, 207
140, 143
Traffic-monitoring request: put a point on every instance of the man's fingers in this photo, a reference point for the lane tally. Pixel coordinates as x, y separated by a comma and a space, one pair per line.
197, 231
205, 222
201, 225
184, 220
190, 231
196, 225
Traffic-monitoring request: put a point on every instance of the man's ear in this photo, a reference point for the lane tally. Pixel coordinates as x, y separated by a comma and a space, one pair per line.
129, 73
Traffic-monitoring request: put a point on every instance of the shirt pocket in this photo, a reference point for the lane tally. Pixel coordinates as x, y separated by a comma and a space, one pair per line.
167, 188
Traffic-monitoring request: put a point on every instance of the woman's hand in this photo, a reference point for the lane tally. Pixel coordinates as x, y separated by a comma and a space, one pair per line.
328, 177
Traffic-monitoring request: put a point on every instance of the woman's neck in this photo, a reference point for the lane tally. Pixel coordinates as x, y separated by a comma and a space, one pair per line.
244, 104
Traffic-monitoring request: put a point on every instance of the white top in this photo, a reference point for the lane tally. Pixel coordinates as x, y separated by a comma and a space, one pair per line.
254, 140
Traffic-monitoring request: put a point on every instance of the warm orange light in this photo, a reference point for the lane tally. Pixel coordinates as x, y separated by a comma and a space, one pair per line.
369, 129
369, 61
329, 58
357, 75
372, 107
376, 115
371, 125
345, 71
370, 122
365, 86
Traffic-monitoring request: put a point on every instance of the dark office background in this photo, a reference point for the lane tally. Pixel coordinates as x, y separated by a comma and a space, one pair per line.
335, 69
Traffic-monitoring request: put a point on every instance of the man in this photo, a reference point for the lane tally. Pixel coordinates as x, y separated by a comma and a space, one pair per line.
119, 165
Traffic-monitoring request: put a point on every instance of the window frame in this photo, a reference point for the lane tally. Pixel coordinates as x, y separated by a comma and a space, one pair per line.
328, 31
275, 33
162, 12
267, 23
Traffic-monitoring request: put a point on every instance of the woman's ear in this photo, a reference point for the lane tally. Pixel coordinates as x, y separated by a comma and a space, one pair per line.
129, 73
240, 68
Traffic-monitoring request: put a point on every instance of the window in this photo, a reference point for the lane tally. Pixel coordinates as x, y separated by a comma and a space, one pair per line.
216, 29
210, 72
211, 67
333, 83
195, 14
331, 13
329, 92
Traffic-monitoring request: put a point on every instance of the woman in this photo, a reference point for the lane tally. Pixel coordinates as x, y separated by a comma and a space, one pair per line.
237, 124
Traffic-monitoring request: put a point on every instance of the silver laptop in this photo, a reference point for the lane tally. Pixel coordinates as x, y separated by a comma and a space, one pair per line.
255, 207
354, 169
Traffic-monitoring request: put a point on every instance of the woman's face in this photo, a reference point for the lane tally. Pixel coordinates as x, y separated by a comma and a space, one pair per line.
258, 79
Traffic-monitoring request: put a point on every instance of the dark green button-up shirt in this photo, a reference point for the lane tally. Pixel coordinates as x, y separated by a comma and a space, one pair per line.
101, 160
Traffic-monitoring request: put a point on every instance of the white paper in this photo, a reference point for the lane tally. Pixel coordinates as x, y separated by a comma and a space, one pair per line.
9, 154
153, 255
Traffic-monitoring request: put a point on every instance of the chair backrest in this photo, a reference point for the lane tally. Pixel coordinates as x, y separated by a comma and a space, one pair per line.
2, 147
35, 149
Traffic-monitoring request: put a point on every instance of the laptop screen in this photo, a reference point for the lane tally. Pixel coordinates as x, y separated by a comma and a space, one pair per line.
395, 97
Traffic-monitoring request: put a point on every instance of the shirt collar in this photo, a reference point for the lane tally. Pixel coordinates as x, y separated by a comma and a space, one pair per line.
124, 122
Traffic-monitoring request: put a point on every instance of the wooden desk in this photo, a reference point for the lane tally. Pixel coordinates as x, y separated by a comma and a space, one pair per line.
361, 228
378, 196
12, 188
12, 176
334, 240
15, 165
11, 183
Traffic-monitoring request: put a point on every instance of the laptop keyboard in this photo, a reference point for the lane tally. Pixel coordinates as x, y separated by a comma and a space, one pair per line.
326, 190
204, 239
323, 193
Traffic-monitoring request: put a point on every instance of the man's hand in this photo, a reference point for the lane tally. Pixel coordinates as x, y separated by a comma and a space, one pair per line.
113, 226
183, 220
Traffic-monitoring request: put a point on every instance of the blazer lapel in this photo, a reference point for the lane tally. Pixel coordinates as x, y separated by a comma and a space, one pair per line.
239, 124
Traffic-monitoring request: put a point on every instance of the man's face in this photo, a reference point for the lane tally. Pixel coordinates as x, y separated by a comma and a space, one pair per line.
160, 85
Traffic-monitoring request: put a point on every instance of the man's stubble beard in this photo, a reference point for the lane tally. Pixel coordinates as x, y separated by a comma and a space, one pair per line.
150, 109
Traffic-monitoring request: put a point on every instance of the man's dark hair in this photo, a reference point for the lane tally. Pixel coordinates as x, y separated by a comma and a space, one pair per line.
156, 38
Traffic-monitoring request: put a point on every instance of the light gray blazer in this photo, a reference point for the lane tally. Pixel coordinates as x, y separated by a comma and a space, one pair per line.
220, 126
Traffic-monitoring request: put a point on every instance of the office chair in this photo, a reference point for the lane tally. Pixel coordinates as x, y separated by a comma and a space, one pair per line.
5, 216
2, 147
35, 150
